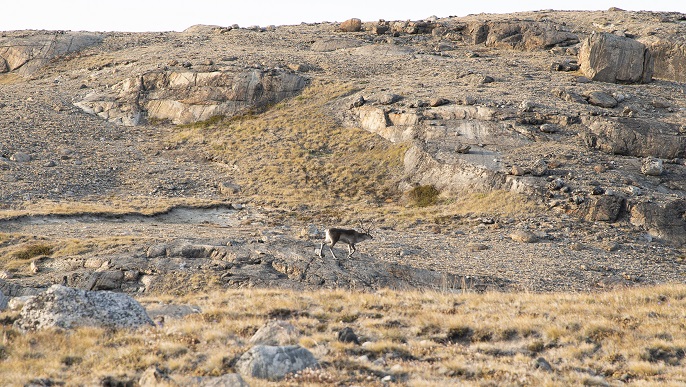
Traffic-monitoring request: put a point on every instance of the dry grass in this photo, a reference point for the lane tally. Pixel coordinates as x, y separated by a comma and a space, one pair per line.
108, 206
421, 338
296, 153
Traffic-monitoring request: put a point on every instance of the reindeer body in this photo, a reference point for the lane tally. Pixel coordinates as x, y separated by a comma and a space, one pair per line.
349, 237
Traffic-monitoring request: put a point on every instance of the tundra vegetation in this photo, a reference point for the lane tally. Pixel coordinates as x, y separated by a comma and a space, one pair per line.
281, 171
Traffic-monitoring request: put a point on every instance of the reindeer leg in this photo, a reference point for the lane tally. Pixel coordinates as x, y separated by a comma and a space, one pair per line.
321, 250
351, 250
331, 249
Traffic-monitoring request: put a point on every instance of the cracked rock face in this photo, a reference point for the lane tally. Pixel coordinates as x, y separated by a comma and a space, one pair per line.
28, 53
610, 58
183, 97
68, 308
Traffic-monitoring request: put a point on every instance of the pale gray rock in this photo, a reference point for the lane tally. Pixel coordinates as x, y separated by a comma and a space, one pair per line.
389, 98
276, 333
21, 157
602, 99
16, 303
652, 166
610, 58
68, 308
634, 137
273, 362
524, 236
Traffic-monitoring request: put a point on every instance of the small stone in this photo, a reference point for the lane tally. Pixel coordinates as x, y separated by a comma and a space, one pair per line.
474, 247
597, 190
228, 188
576, 246
523, 236
602, 99
543, 365
527, 106
652, 166
357, 102
549, 128
21, 157
347, 335
539, 168
517, 171
610, 246
556, 184
634, 191
387, 379
599, 168
50, 164
389, 98
438, 102
468, 100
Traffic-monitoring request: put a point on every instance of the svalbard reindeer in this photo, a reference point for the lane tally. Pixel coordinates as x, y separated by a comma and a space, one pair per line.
350, 237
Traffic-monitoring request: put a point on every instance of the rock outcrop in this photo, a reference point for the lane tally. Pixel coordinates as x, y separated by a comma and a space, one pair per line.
635, 137
182, 97
610, 58
68, 308
521, 35
669, 56
29, 52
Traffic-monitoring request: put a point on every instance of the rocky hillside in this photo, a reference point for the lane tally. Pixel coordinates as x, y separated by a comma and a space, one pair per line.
537, 151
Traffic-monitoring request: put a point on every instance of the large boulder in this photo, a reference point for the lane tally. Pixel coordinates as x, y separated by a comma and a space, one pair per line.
634, 137
68, 308
610, 58
184, 97
521, 35
274, 362
663, 220
28, 52
669, 57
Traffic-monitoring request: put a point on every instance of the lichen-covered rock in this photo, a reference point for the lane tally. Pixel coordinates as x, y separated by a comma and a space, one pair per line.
276, 333
610, 58
67, 308
274, 363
